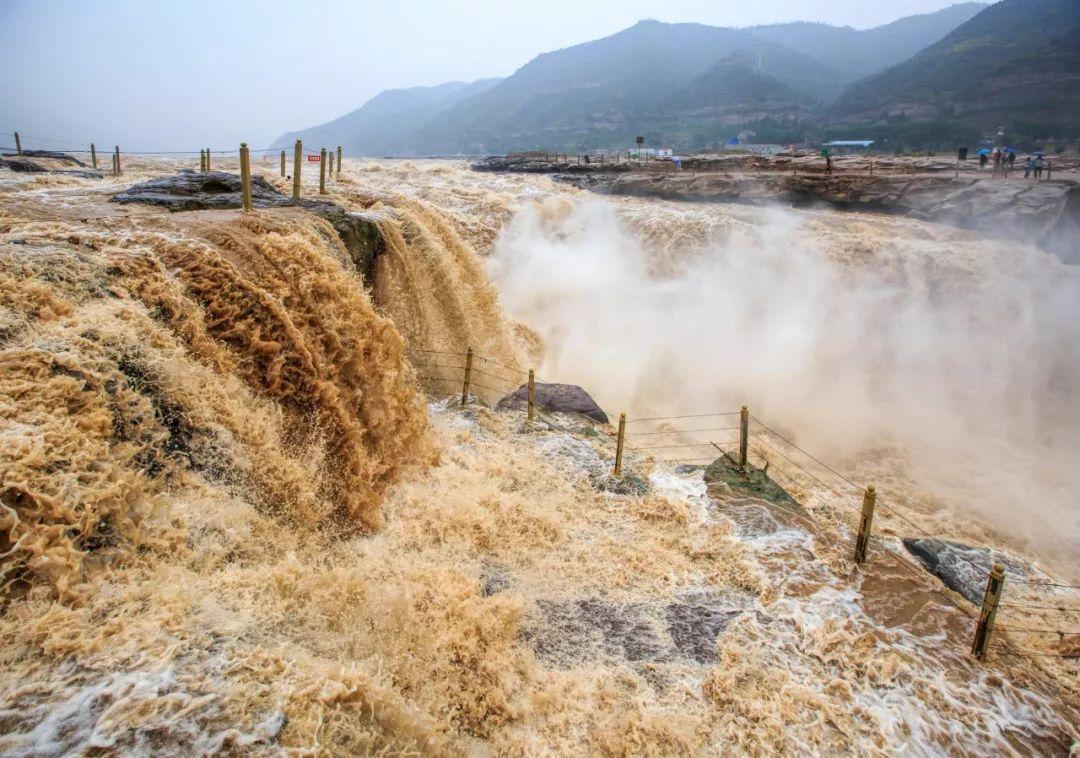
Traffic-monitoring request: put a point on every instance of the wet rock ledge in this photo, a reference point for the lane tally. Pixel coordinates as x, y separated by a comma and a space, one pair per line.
1046, 212
218, 190
46, 162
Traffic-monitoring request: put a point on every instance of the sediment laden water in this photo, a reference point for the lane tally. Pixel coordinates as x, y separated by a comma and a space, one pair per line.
231, 523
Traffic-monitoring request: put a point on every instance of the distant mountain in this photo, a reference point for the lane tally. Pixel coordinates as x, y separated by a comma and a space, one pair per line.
855, 53
735, 81
733, 93
597, 93
1015, 63
682, 85
383, 125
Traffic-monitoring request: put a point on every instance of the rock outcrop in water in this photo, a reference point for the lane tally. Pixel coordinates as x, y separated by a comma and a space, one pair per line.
218, 190
580, 631
753, 482
961, 568
558, 398
45, 162
50, 154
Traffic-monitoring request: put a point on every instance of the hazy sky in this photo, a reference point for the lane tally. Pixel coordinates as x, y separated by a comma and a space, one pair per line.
172, 74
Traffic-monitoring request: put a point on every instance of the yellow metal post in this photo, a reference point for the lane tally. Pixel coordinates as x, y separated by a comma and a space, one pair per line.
468, 376
245, 175
744, 436
532, 392
202, 159
339, 160
619, 444
330, 168
282, 164
985, 625
298, 154
207, 159
117, 154
868, 501
18, 144
322, 172
93, 154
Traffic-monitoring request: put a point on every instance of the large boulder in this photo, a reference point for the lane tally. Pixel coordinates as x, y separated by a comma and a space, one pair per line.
559, 398
201, 190
961, 568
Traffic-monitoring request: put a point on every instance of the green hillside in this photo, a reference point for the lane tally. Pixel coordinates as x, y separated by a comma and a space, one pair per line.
732, 95
598, 93
856, 53
1017, 62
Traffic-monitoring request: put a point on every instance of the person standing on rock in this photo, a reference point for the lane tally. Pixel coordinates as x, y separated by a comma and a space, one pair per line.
997, 163
1038, 165
1029, 166
828, 160
982, 160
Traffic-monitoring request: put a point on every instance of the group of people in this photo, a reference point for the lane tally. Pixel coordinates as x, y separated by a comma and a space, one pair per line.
1005, 161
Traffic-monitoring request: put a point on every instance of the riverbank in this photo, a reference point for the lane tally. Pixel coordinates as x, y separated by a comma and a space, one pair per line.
1044, 212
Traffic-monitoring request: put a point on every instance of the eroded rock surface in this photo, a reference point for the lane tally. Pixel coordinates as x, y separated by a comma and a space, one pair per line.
1044, 212
569, 633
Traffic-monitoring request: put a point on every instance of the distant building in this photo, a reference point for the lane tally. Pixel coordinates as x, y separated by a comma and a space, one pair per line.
650, 152
754, 148
849, 146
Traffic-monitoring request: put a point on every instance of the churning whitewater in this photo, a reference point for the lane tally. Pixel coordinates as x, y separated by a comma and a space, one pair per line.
244, 508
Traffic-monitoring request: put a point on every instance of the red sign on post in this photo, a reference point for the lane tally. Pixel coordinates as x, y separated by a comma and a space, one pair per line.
314, 158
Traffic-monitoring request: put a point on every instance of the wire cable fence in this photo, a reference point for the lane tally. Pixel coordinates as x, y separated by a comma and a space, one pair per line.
677, 440
109, 160
467, 373
1068, 613
30, 142
689, 439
